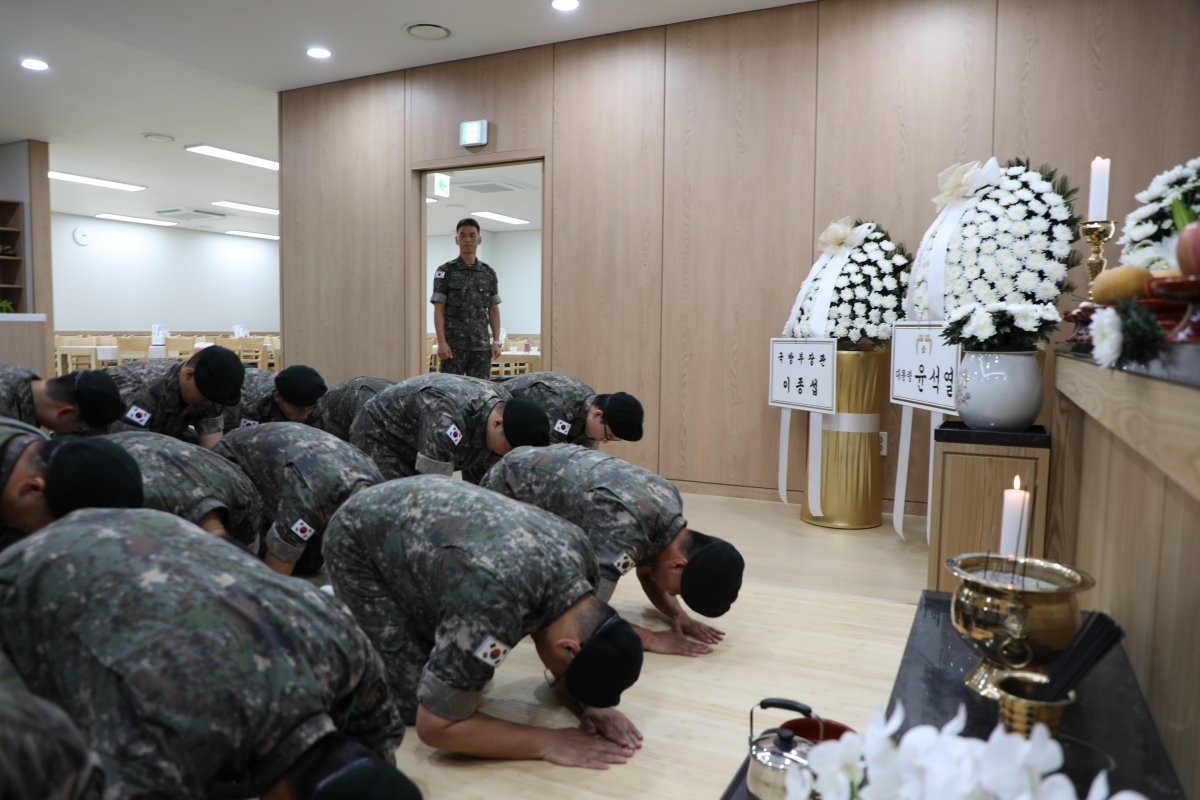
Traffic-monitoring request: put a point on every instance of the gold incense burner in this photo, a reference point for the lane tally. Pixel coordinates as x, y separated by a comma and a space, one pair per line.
1016, 613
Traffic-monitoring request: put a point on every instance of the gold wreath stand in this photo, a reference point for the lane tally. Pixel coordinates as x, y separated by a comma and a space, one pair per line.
851, 468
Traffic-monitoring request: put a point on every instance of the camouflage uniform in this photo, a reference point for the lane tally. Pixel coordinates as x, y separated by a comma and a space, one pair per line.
258, 401
468, 291
630, 513
16, 393
446, 577
42, 753
428, 424
189, 481
151, 390
304, 475
193, 669
337, 408
565, 400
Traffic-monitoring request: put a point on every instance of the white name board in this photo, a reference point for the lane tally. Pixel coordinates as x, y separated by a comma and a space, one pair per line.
804, 374
924, 368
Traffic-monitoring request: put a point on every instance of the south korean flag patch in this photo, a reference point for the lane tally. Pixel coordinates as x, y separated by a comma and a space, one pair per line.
303, 530
247, 423
138, 416
492, 652
624, 563
441, 273
455, 434
562, 426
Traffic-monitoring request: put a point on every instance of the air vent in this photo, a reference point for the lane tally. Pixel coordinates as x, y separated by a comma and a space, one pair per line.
189, 214
489, 187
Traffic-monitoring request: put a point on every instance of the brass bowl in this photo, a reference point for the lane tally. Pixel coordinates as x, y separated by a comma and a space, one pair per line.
1016, 613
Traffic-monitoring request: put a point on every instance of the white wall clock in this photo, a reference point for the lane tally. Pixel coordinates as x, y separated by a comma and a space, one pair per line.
82, 236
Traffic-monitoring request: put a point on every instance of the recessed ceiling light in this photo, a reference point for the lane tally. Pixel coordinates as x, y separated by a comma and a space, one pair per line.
35, 64
158, 137
139, 220
565, 5
430, 199
252, 235
499, 217
428, 31
243, 207
318, 52
230, 155
124, 187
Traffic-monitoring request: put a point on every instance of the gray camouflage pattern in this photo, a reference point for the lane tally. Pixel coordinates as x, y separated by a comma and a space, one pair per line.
190, 481
428, 424
303, 476
468, 291
475, 363
435, 571
629, 513
186, 662
337, 408
153, 386
258, 401
42, 753
565, 399
16, 393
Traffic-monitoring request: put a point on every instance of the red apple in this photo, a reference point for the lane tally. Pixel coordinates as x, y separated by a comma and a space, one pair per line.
1188, 249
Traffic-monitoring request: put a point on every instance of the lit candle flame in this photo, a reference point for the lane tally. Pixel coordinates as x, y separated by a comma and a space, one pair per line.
1016, 481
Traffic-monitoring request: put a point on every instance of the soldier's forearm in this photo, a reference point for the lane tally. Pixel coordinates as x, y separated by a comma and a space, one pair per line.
483, 736
659, 597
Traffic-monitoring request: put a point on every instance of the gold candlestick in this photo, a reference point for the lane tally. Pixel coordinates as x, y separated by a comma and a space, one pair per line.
1096, 233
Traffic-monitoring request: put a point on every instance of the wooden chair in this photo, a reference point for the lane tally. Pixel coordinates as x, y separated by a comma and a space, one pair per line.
71, 358
179, 348
273, 351
132, 348
251, 351
435, 364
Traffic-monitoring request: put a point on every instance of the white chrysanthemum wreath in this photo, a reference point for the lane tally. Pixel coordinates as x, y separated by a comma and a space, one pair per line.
870, 273
1150, 234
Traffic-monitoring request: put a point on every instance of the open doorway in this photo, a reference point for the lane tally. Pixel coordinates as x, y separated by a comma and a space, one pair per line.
506, 201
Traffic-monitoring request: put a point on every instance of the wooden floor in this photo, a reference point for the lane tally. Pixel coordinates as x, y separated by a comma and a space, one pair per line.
822, 618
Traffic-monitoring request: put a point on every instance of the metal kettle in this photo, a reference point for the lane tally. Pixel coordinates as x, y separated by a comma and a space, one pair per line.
773, 751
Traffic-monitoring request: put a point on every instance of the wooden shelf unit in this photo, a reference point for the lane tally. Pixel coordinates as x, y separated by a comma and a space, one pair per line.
12, 261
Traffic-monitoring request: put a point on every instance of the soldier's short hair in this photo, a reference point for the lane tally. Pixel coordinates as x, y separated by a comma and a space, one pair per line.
469, 222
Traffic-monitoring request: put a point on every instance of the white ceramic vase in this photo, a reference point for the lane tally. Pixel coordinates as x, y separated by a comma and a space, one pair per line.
999, 391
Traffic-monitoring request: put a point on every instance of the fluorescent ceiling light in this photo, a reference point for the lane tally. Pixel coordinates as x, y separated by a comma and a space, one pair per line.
565, 5
124, 187
318, 52
229, 155
252, 235
139, 220
35, 64
430, 199
499, 217
274, 212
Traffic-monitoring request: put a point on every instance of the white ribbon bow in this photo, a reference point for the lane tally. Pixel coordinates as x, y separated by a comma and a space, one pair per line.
954, 182
842, 233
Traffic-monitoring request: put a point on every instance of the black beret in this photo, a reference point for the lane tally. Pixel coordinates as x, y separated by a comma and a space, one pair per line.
712, 577
525, 423
15, 436
97, 398
219, 375
609, 662
90, 472
300, 385
623, 415
368, 782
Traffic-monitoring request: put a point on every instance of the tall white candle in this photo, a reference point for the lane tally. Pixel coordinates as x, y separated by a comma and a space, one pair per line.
1012, 520
1098, 190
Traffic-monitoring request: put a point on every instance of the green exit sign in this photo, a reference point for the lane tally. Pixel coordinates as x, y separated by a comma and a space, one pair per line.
473, 133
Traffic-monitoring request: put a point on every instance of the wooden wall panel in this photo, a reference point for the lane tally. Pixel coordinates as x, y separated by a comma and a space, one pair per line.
740, 104
341, 226
40, 245
606, 275
512, 91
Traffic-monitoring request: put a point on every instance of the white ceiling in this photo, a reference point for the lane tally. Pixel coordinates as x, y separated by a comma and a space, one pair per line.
207, 72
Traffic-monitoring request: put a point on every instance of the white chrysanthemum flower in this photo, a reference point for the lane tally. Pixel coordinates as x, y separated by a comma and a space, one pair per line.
856, 277
992, 272
969, 231
1010, 185
1017, 211
875, 314
1060, 249
1042, 187
1024, 195
839, 332
1039, 224
1142, 231
1028, 281
1046, 291
1060, 213
890, 283
1055, 271
1004, 238
987, 229
1021, 249
871, 247
1019, 228
980, 326
1026, 318
858, 256
860, 292
847, 293
842, 281
1004, 285
1038, 207
1053, 199
890, 301
1107, 338
899, 260
1063, 233
970, 258
1038, 242
887, 246
1016, 169
890, 317
988, 247
1014, 298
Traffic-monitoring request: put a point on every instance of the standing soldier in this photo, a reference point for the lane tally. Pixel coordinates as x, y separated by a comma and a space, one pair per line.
193, 671
466, 299
446, 578
303, 475
577, 414
634, 518
197, 485
70, 403
441, 423
337, 408
166, 397
287, 396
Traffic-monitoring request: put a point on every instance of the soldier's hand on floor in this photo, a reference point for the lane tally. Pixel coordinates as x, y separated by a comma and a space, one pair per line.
673, 643
574, 748
612, 725
691, 627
